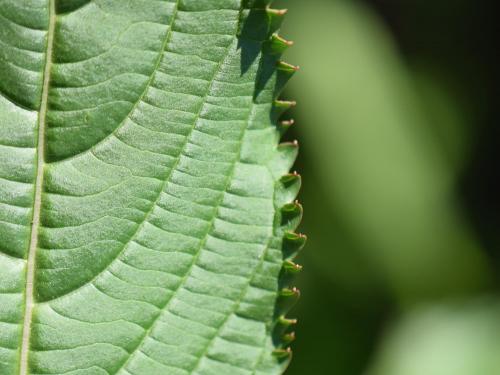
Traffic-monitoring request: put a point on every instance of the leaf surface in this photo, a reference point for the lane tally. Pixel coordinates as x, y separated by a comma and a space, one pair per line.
145, 216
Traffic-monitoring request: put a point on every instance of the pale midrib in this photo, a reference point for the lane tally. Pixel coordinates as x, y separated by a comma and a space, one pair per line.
37, 202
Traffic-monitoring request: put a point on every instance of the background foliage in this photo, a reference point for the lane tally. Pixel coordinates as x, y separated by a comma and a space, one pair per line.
398, 154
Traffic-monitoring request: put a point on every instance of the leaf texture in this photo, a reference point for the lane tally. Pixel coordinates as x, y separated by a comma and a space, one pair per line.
146, 223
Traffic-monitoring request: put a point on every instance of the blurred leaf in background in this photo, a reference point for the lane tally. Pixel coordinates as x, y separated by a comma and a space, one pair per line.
367, 135
445, 339
383, 146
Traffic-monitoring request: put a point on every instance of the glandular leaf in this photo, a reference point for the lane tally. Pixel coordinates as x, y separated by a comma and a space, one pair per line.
146, 223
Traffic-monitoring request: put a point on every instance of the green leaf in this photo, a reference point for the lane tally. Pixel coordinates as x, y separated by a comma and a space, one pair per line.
446, 338
386, 181
145, 223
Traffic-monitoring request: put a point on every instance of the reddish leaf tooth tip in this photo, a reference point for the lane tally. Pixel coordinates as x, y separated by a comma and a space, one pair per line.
288, 122
295, 143
295, 236
287, 322
292, 267
289, 43
294, 292
288, 65
279, 12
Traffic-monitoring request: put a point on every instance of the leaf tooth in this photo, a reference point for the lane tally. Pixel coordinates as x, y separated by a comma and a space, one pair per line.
291, 267
285, 104
282, 353
276, 17
284, 125
259, 10
277, 44
289, 148
288, 338
281, 162
288, 297
280, 107
281, 40
291, 179
277, 12
291, 215
290, 292
294, 208
288, 186
288, 272
286, 322
292, 244
282, 330
287, 67
295, 237
284, 72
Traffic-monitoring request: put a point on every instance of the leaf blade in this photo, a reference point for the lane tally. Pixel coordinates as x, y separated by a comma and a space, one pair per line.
170, 222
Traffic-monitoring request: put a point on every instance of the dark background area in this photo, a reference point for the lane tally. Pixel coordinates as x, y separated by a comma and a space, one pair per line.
458, 39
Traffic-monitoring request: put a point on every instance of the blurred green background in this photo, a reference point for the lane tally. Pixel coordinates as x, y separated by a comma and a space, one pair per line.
399, 149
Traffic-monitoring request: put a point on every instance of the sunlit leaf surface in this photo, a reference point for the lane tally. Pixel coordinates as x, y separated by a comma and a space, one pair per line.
145, 207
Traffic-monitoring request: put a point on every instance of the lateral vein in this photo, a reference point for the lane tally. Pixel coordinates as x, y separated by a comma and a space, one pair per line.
37, 202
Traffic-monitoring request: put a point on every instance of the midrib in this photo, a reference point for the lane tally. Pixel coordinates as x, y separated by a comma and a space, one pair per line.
37, 201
